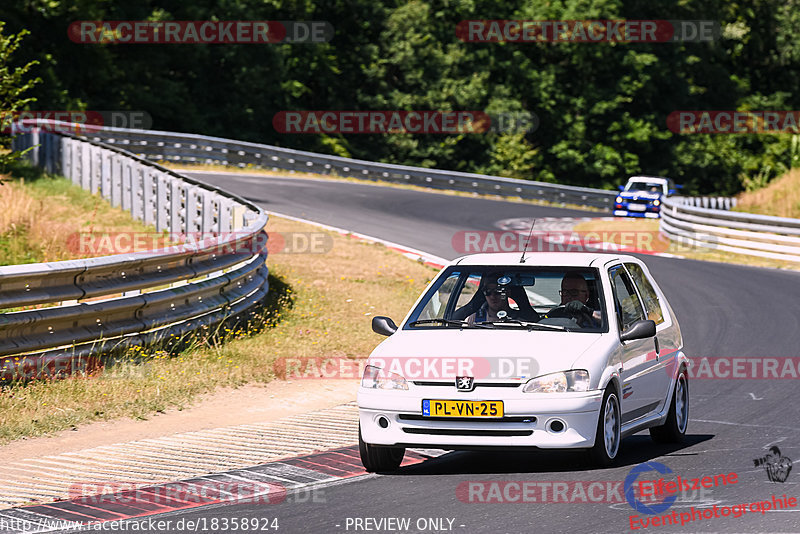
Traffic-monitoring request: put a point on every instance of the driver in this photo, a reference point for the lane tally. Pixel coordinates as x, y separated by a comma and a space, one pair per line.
574, 298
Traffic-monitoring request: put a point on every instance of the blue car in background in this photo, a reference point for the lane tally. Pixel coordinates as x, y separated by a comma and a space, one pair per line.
642, 196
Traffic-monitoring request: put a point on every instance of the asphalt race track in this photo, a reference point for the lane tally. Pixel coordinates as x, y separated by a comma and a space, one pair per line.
724, 310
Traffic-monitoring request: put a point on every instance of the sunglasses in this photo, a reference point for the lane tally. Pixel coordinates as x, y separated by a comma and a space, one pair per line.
498, 292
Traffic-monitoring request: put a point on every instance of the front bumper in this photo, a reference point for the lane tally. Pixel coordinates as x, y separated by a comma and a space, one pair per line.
526, 422
650, 211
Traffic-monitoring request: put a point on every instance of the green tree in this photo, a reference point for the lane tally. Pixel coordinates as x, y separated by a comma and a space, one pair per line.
14, 83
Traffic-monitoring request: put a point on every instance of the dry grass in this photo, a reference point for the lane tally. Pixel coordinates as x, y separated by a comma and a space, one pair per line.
646, 231
781, 198
41, 217
326, 313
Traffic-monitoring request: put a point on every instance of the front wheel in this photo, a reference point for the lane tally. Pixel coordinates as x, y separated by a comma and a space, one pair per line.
378, 459
609, 431
674, 428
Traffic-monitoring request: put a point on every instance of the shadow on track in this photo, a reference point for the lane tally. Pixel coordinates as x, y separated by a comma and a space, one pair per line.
635, 450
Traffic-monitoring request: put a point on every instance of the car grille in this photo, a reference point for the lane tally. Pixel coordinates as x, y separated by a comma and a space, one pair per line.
477, 384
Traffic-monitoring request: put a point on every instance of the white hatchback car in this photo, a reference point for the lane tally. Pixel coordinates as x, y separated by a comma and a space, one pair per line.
554, 351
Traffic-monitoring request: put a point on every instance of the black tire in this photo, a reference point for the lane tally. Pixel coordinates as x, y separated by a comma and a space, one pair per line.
379, 459
606, 447
674, 428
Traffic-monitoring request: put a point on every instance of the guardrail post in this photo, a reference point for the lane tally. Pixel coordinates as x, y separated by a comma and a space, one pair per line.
208, 214
137, 192
238, 217
86, 165
194, 215
148, 196
46, 164
94, 169
163, 203
66, 157
225, 215
75, 154
105, 173
34, 153
127, 187
177, 211
117, 168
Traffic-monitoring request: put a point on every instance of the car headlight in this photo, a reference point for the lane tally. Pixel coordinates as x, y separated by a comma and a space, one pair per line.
656, 202
618, 200
377, 378
577, 380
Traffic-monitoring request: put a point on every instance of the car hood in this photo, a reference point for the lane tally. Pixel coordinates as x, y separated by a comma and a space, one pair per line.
499, 354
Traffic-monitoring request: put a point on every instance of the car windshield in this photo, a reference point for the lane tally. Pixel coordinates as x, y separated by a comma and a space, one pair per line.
647, 187
566, 299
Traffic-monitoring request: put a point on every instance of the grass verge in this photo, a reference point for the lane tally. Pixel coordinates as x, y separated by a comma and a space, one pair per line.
325, 306
781, 198
645, 232
41, 216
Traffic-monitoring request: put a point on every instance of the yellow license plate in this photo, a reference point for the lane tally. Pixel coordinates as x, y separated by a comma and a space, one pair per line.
462, 408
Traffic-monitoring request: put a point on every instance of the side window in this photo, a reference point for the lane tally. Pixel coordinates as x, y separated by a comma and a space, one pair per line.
629, 310
651, 303
437, 305
468, 291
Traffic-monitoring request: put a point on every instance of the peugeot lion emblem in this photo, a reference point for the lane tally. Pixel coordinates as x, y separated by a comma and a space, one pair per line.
465, 383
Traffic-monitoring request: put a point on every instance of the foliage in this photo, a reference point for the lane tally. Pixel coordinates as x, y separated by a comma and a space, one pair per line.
14, 83
602, 108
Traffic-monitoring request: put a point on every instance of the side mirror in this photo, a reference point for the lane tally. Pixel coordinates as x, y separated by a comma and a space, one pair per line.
386, 327
672, 191
641, 329
621, 187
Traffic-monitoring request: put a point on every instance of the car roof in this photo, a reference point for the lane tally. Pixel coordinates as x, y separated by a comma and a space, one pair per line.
648, 179
544, 259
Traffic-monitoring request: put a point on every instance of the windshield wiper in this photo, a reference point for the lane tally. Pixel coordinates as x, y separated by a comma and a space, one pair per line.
446, 322
531, 325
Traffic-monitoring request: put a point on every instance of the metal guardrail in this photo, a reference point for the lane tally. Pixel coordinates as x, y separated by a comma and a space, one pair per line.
742, 233
714, 203
199, 149
135, 298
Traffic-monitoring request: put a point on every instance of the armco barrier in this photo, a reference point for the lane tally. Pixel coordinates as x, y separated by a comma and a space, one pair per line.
136, 298
714, 203
730, 231
199, 149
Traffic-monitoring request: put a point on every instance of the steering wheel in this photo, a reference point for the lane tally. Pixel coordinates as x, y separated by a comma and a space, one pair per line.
563, 311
